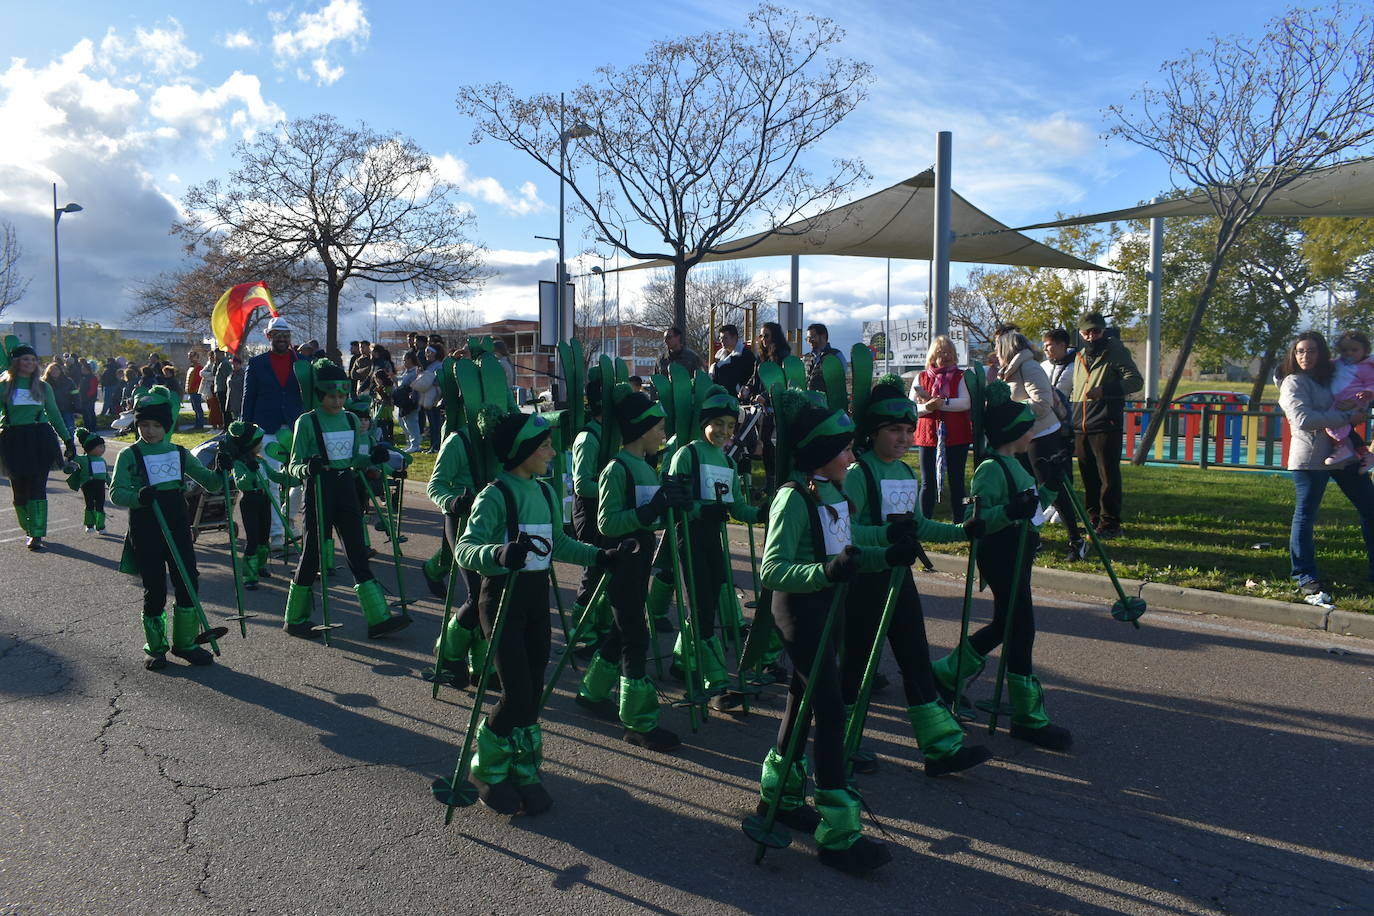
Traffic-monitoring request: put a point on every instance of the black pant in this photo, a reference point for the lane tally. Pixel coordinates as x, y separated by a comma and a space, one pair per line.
467, 611
955, 457
800, 619
255, 508
707, 573
906, 635
342, 514
1051, 462
997, 566
627, 645
93, 491
25, 488
523, 652
585, 530
1099, 461
151, 556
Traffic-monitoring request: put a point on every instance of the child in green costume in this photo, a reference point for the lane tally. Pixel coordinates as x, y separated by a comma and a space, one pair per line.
713, 481
28, 448
1009, 495
586, 468
631, 504
151, 471
515, 530
90, 474
882, 492
328, 450
254, 478
451, 488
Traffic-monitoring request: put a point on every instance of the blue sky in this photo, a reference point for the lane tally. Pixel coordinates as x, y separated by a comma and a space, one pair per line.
125, 105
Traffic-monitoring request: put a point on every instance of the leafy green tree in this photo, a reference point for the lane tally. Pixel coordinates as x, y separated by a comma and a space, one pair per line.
95, 342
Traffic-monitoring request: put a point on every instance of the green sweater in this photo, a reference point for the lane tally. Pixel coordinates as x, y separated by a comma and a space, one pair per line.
22, 409
250, 480
586, 454
163, 462
347, 446
488, 527
990, 486
712, 465
790, 563
452, 475
88, 469
895, 483
615, 517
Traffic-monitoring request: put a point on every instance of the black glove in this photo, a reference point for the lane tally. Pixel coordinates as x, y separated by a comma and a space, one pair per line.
715, 513
844, 565
678, 493
223, 461
902, 553
975, 528
380, 454
898, 528
460, 505
648, 513
68, 450
1023, 505
315, 465
608, 558
71, 467
512, 555
146, 497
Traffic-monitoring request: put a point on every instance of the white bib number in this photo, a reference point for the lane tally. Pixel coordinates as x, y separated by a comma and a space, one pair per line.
835, 527
23, 397
97, 467
645, 495
899, 497
163, 468
712, 475
339, 446
533, 561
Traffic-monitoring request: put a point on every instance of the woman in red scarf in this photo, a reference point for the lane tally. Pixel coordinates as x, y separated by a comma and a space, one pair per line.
943, 428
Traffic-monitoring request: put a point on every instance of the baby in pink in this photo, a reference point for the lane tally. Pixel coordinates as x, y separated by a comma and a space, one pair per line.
1355, 374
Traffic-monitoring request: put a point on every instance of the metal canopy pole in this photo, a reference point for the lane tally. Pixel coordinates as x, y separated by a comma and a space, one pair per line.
1156, 281
943, 236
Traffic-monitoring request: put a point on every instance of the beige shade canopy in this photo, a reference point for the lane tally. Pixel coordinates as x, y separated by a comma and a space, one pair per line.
1346, 189
896, 222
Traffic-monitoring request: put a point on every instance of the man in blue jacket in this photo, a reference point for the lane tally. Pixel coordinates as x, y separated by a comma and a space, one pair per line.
272, 399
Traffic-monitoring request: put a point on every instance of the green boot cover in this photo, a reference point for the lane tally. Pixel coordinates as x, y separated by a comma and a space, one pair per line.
774, 651
491, 761
38, 518
937, 734
683, 660
638, 704
839, 810
155, 634
600, 679
713, 670
1027, 701
185, 628
100, 521
457, 640
478, 655
250, 567
729, 607
22, 513
660, 596
529, 754
791, 784
299, 604
88, 518
437, 566
964, 659
264, 557
373, 601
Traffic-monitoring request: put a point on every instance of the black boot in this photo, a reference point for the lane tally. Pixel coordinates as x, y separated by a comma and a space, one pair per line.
500, 797
803, 820
863, 857
962, 759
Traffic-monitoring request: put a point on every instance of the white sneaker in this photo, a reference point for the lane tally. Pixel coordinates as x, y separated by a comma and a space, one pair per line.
90, 528
1051, 516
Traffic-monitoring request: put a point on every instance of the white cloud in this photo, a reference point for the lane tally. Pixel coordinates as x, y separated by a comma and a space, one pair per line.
209, 114
240, 40
454, 170
315, 36
160, 50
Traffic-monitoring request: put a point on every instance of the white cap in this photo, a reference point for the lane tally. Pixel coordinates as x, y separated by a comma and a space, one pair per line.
278, 324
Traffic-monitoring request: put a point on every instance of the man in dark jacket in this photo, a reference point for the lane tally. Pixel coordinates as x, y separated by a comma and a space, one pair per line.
733, 367
271, 394
1103, 375
818, 338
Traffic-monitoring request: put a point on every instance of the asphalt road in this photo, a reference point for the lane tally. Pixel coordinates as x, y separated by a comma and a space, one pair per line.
1219, 767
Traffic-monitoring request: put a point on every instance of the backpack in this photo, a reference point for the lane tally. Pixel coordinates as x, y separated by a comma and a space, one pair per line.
404, 400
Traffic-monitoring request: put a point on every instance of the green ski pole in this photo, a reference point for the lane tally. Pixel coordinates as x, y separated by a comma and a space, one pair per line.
854, 729
401, 603
234, 556
582, 622
209, 634
1127, 607
965, 616
558, 602
326, 625
433, 674
692, 698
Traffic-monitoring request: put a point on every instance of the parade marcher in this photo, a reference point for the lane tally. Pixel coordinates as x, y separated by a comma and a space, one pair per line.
631, 503
586, 468
452, 489
147, 474
511, 518
881, 489
806, 555
90, 474
254, 478
1008, 496
29, 417
702, 463
327, 450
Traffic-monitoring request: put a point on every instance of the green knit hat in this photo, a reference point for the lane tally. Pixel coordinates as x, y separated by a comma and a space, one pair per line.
1004, 420
242, 437
717, 403
636, 413
817, 433
514, 435
887, 405
160, 404
88, 439
329, 376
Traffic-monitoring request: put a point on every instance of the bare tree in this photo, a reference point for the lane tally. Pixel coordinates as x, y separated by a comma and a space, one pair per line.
341, 203
1243, 118
697, 141
726, 287
13, 285
186, 297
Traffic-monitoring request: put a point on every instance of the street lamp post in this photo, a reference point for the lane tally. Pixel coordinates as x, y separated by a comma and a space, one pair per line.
373, 297
601, 272
564, 135
57, 270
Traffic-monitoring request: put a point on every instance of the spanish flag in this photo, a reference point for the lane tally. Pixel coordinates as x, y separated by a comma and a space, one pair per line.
232, 311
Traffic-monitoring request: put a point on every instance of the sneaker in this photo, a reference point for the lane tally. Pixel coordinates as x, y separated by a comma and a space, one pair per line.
1315, 594
1107, 532
156, 662
660, 739
1078, 549
35, 544
1341, 454
90, 529
1051, 515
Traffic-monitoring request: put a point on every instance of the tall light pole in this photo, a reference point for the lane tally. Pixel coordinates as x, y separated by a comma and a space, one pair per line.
564, 135
601, 272
57, 270
373, 297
